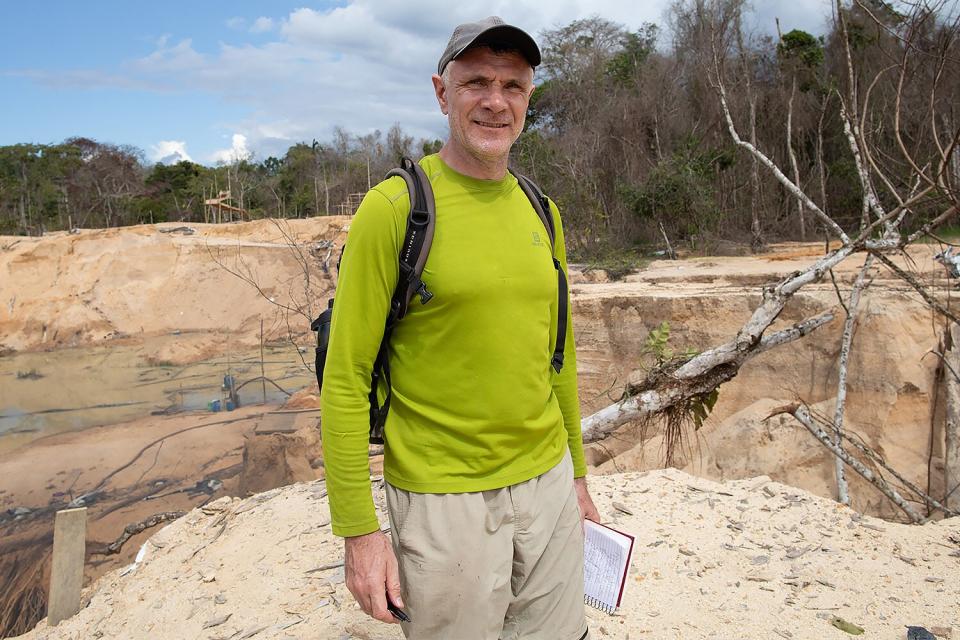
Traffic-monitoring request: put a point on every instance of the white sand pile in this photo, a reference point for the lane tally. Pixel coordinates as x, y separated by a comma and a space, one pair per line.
745, 559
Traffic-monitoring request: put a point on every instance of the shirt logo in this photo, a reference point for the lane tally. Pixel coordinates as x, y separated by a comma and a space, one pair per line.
537, 242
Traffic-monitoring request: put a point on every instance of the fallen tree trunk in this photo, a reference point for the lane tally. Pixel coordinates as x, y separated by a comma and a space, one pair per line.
699, 375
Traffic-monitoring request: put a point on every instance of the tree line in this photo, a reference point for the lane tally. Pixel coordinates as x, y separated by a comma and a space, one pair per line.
624, 131
84, 183
628, 132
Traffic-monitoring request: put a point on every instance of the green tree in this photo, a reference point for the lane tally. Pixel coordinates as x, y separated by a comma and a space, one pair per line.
680, 192
636, 46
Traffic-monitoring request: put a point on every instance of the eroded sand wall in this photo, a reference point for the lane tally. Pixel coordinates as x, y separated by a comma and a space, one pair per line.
891, 387
67, 290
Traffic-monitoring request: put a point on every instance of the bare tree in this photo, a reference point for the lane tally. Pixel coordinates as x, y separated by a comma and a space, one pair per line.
300, 298
920, 193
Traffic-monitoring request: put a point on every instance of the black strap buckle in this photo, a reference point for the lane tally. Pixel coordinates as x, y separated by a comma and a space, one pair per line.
557, 361
424, 293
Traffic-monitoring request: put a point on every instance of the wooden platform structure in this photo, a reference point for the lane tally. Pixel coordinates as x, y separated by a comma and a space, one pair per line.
218, 210
350, 206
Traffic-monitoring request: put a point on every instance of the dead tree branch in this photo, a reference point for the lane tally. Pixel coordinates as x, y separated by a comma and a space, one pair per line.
788, 184
877, 459
298, 304
951, 444
846, 343
917, 286
804, 417
138, 527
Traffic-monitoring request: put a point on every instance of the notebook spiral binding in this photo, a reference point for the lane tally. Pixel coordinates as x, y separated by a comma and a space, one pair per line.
597, 604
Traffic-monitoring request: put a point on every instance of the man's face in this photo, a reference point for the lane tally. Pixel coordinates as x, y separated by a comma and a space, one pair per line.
485, 99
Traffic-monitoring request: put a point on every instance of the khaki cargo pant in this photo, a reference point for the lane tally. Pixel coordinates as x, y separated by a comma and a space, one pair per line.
505, 563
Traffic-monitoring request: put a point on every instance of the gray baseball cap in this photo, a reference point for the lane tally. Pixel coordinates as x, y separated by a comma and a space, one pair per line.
491, 29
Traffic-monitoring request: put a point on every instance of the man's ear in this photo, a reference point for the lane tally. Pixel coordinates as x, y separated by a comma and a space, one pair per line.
441, 91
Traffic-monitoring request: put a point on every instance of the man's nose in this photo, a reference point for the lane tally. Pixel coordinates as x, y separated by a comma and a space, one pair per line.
494, 99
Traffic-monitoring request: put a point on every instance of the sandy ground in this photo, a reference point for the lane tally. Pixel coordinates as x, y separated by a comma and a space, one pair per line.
166, 291
76, 462
745, 559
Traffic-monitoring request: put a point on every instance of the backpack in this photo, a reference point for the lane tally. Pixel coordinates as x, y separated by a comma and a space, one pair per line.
412, 258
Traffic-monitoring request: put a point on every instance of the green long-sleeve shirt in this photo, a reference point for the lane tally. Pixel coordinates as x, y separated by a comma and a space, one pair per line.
476, 404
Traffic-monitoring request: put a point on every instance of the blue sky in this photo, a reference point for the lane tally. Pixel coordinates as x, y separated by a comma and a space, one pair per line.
211, 79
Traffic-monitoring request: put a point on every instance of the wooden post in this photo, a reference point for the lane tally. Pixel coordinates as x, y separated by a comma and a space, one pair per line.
951, 445
66, 577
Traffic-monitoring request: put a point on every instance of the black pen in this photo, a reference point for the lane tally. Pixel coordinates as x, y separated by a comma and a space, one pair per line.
397, 613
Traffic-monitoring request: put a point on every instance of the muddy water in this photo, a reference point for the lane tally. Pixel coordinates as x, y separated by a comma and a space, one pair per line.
43, 393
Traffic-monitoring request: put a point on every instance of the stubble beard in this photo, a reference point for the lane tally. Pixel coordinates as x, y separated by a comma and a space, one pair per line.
492, 150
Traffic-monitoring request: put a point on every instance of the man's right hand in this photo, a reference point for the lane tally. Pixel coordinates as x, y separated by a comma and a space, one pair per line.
372, 574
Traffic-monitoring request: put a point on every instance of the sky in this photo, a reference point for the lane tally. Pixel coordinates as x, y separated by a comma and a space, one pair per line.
211, 80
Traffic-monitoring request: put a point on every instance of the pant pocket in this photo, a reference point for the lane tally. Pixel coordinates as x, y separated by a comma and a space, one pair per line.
399, 504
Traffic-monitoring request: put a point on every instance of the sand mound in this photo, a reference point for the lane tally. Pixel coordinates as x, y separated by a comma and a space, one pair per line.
279, 459
745, 559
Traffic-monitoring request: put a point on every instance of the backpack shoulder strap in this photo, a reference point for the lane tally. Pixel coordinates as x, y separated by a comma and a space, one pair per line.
541, 205
417, 239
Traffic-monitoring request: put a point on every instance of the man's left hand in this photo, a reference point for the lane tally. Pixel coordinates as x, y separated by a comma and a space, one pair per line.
585, 502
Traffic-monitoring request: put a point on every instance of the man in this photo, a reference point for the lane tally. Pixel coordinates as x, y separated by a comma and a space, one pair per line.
482, 442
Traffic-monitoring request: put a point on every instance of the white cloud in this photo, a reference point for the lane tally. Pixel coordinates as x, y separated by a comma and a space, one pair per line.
261, 25
166, 58
237, 151
169, 152
363, 65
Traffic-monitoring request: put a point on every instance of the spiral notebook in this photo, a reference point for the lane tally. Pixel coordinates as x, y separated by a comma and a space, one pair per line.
606, 559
